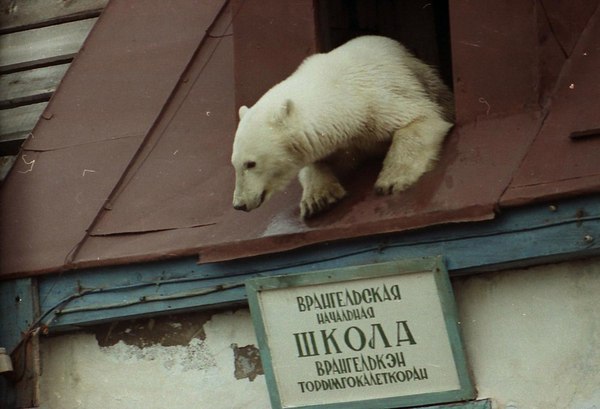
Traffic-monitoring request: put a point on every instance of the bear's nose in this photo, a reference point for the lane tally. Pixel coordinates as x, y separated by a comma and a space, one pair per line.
240, 207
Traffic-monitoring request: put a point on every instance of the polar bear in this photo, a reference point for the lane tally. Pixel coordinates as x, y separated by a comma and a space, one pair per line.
368, 97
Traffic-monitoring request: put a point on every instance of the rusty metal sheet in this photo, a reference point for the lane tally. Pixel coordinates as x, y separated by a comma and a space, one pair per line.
270, 38
557, 164
129, 64
448, 194
191, 213
179, 176
168, 187
51, 198
187, 153
94, 125
495, 57
568, 19
485, 149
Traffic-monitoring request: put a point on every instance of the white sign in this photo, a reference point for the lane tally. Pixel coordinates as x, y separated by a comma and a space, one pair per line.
375, 333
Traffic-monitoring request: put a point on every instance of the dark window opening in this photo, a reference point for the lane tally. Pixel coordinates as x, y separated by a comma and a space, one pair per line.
422, 26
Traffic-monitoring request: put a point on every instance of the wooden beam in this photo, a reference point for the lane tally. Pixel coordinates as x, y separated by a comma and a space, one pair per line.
43, 46
476, 404
32, 86
518, 238
19, 15
17, 123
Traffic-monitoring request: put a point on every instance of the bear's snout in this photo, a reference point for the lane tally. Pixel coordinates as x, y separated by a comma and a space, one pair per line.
241, 206
239, 203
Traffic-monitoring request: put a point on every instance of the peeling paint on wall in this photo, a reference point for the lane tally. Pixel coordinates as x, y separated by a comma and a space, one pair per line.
195, 356
167, 330
247, 362
174, 361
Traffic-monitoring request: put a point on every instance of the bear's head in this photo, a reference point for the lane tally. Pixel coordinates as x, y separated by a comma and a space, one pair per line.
263, 156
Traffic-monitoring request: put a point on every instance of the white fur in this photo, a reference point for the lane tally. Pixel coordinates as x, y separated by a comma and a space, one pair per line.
361, 99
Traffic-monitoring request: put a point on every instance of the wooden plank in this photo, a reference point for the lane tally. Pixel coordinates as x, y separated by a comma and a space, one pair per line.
18, 15
517, 238
43, 46
32, 86
476, 404
16, 123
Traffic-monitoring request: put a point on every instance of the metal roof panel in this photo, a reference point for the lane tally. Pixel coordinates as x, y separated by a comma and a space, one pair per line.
556, 163
93, 127
148, 109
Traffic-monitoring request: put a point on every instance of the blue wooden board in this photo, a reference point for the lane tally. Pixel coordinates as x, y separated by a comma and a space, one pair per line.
17, 310
475, 404
518, 237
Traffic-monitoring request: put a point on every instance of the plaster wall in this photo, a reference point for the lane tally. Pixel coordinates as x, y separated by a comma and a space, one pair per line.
532, 339
532, 336
79, 373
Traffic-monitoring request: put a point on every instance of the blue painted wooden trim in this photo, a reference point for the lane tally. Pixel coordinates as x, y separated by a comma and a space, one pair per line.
475, 404
18, 307
518, 237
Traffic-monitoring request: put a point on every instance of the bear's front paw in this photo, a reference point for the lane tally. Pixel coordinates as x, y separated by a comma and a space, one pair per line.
388, 186
319, 200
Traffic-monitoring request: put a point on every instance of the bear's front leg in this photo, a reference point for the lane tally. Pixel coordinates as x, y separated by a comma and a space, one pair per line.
413, 151
321, 189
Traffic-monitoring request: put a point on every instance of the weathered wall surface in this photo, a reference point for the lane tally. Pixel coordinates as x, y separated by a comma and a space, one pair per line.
79, 373
532, 339
533, 336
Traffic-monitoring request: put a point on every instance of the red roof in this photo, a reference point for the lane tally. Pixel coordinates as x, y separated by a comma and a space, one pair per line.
130, 162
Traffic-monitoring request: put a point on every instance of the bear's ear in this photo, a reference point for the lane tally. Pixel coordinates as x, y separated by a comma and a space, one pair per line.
285, 110
242, 111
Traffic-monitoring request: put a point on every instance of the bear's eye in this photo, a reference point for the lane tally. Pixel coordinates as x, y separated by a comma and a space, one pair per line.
249, 165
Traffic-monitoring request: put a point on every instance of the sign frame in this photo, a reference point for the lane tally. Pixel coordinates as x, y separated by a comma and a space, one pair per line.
433, 265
